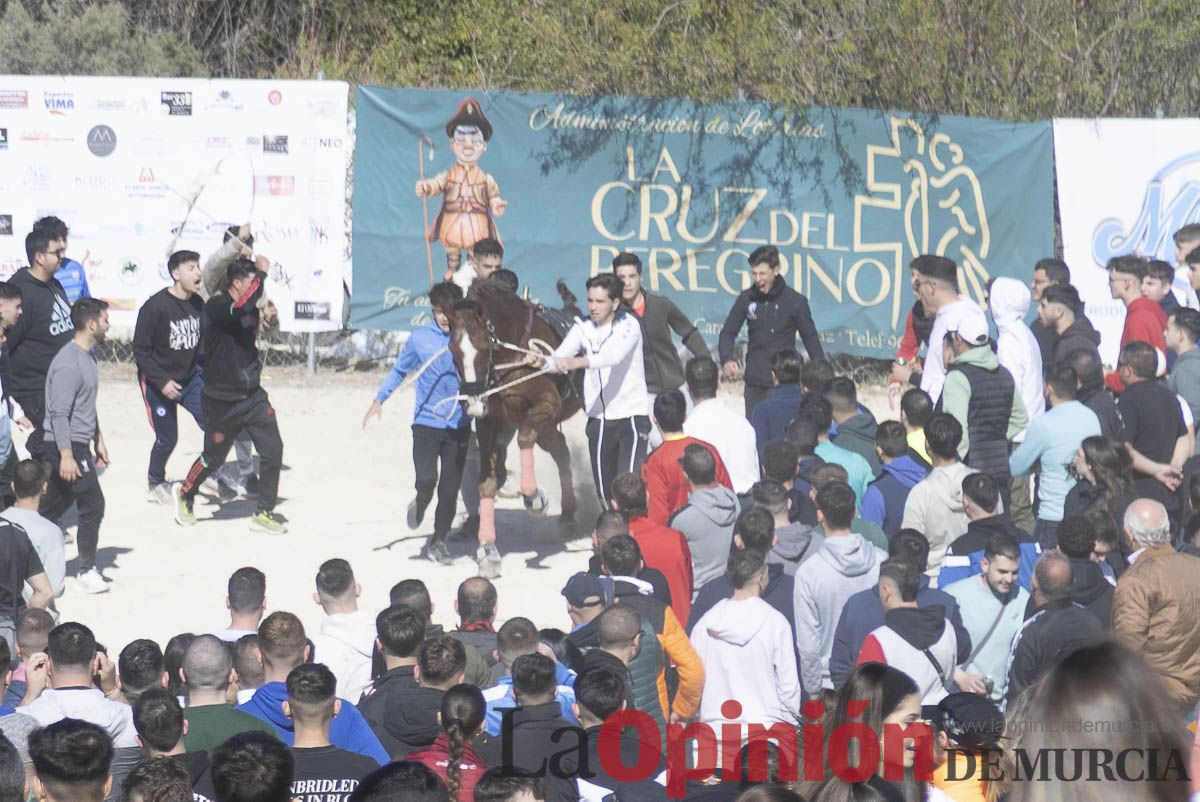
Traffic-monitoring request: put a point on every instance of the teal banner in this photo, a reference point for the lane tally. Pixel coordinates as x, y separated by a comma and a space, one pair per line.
566, 183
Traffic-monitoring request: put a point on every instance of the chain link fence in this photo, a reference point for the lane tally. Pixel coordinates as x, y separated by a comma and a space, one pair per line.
351, 349
333, 350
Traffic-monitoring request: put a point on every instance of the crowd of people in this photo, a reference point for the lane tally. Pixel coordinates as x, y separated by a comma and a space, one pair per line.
1007, 571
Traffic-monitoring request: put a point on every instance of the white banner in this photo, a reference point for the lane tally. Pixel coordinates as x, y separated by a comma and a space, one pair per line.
1124, 186
140, 167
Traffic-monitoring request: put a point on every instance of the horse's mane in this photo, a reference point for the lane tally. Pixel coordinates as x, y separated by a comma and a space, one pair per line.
489, 292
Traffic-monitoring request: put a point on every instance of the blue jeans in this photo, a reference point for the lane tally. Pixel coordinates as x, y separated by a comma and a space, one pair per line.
162, 412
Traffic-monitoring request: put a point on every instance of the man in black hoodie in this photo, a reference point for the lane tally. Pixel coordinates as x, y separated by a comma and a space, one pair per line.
534, 737
400, 631
776, 314
981, 502
233, 398
1077, 540
410, 716
1047, 273
600, 694
43, 328
1093, 394
1061, 311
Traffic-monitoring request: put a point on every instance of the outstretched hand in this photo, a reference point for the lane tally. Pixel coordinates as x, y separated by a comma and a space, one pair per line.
374, 411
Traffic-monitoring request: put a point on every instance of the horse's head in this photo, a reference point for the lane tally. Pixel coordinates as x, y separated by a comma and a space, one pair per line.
471, 347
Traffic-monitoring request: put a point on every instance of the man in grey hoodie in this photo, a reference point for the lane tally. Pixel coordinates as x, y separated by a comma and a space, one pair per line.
845, 564
794, 542
708, 518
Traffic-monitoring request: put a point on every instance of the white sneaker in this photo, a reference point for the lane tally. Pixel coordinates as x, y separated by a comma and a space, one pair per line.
510, 489
159, 494
91, 582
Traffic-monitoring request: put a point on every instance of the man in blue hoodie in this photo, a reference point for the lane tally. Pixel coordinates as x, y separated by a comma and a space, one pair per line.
900, 474
440, 430
283, 645
773, 414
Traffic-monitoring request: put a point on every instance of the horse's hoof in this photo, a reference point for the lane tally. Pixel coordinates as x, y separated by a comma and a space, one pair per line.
488, 557
536, 504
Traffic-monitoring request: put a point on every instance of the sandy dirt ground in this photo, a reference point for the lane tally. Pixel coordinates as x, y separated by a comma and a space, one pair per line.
344, 493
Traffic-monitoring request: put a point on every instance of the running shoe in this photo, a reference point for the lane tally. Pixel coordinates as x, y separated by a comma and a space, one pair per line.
416, 512
269, 522
91, 582
184, 516
438, 552
159, 494
510, 489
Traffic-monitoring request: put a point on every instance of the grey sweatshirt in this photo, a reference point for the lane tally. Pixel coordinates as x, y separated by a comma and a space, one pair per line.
843, 566
707, 522
71, 386
796, 542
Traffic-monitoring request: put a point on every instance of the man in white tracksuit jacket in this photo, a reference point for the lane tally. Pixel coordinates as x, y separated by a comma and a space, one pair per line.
614, 387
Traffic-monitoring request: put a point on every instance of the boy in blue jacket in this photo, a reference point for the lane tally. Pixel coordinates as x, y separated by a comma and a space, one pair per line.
440, 431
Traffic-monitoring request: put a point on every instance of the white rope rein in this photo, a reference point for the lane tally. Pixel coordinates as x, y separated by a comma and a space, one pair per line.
545, 350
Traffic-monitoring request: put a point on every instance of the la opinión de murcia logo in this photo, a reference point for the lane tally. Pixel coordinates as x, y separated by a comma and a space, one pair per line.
852, 752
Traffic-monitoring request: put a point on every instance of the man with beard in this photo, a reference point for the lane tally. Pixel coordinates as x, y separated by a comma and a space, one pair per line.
72, 382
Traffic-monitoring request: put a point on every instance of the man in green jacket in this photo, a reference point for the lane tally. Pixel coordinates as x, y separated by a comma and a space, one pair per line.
982, 396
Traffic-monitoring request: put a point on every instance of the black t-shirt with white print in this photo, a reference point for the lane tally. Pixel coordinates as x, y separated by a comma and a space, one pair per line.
328, 774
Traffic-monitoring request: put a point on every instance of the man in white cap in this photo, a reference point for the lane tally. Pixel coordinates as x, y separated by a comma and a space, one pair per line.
982, 396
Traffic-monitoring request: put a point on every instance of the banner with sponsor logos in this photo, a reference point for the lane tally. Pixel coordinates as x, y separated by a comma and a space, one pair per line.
1148, 189
848, 196
140, 167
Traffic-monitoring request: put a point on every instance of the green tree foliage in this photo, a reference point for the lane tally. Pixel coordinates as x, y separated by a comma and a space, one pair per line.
1010, 59
89, 39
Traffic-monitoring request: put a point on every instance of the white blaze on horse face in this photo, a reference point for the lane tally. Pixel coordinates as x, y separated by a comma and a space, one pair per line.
469, 352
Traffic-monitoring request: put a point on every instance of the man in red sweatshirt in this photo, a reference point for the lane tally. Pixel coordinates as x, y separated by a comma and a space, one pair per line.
1144, 318
662, 548
666, 486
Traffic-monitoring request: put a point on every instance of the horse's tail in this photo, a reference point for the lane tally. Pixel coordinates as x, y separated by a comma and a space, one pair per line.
570, 302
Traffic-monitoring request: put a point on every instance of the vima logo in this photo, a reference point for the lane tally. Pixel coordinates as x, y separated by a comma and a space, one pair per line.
1172, 200
58, 103
102, 140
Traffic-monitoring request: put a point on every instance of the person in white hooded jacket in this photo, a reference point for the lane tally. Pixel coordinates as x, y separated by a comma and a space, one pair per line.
846, 564
745, 646
1016, 347
347, 633
1017, 350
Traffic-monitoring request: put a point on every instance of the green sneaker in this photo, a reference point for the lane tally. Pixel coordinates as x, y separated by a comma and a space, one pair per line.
183, 507
269, 522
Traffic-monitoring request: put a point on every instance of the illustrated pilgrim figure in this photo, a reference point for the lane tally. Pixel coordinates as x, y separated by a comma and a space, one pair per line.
470, 197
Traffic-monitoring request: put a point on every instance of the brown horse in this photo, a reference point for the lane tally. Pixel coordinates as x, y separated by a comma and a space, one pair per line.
481, 326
